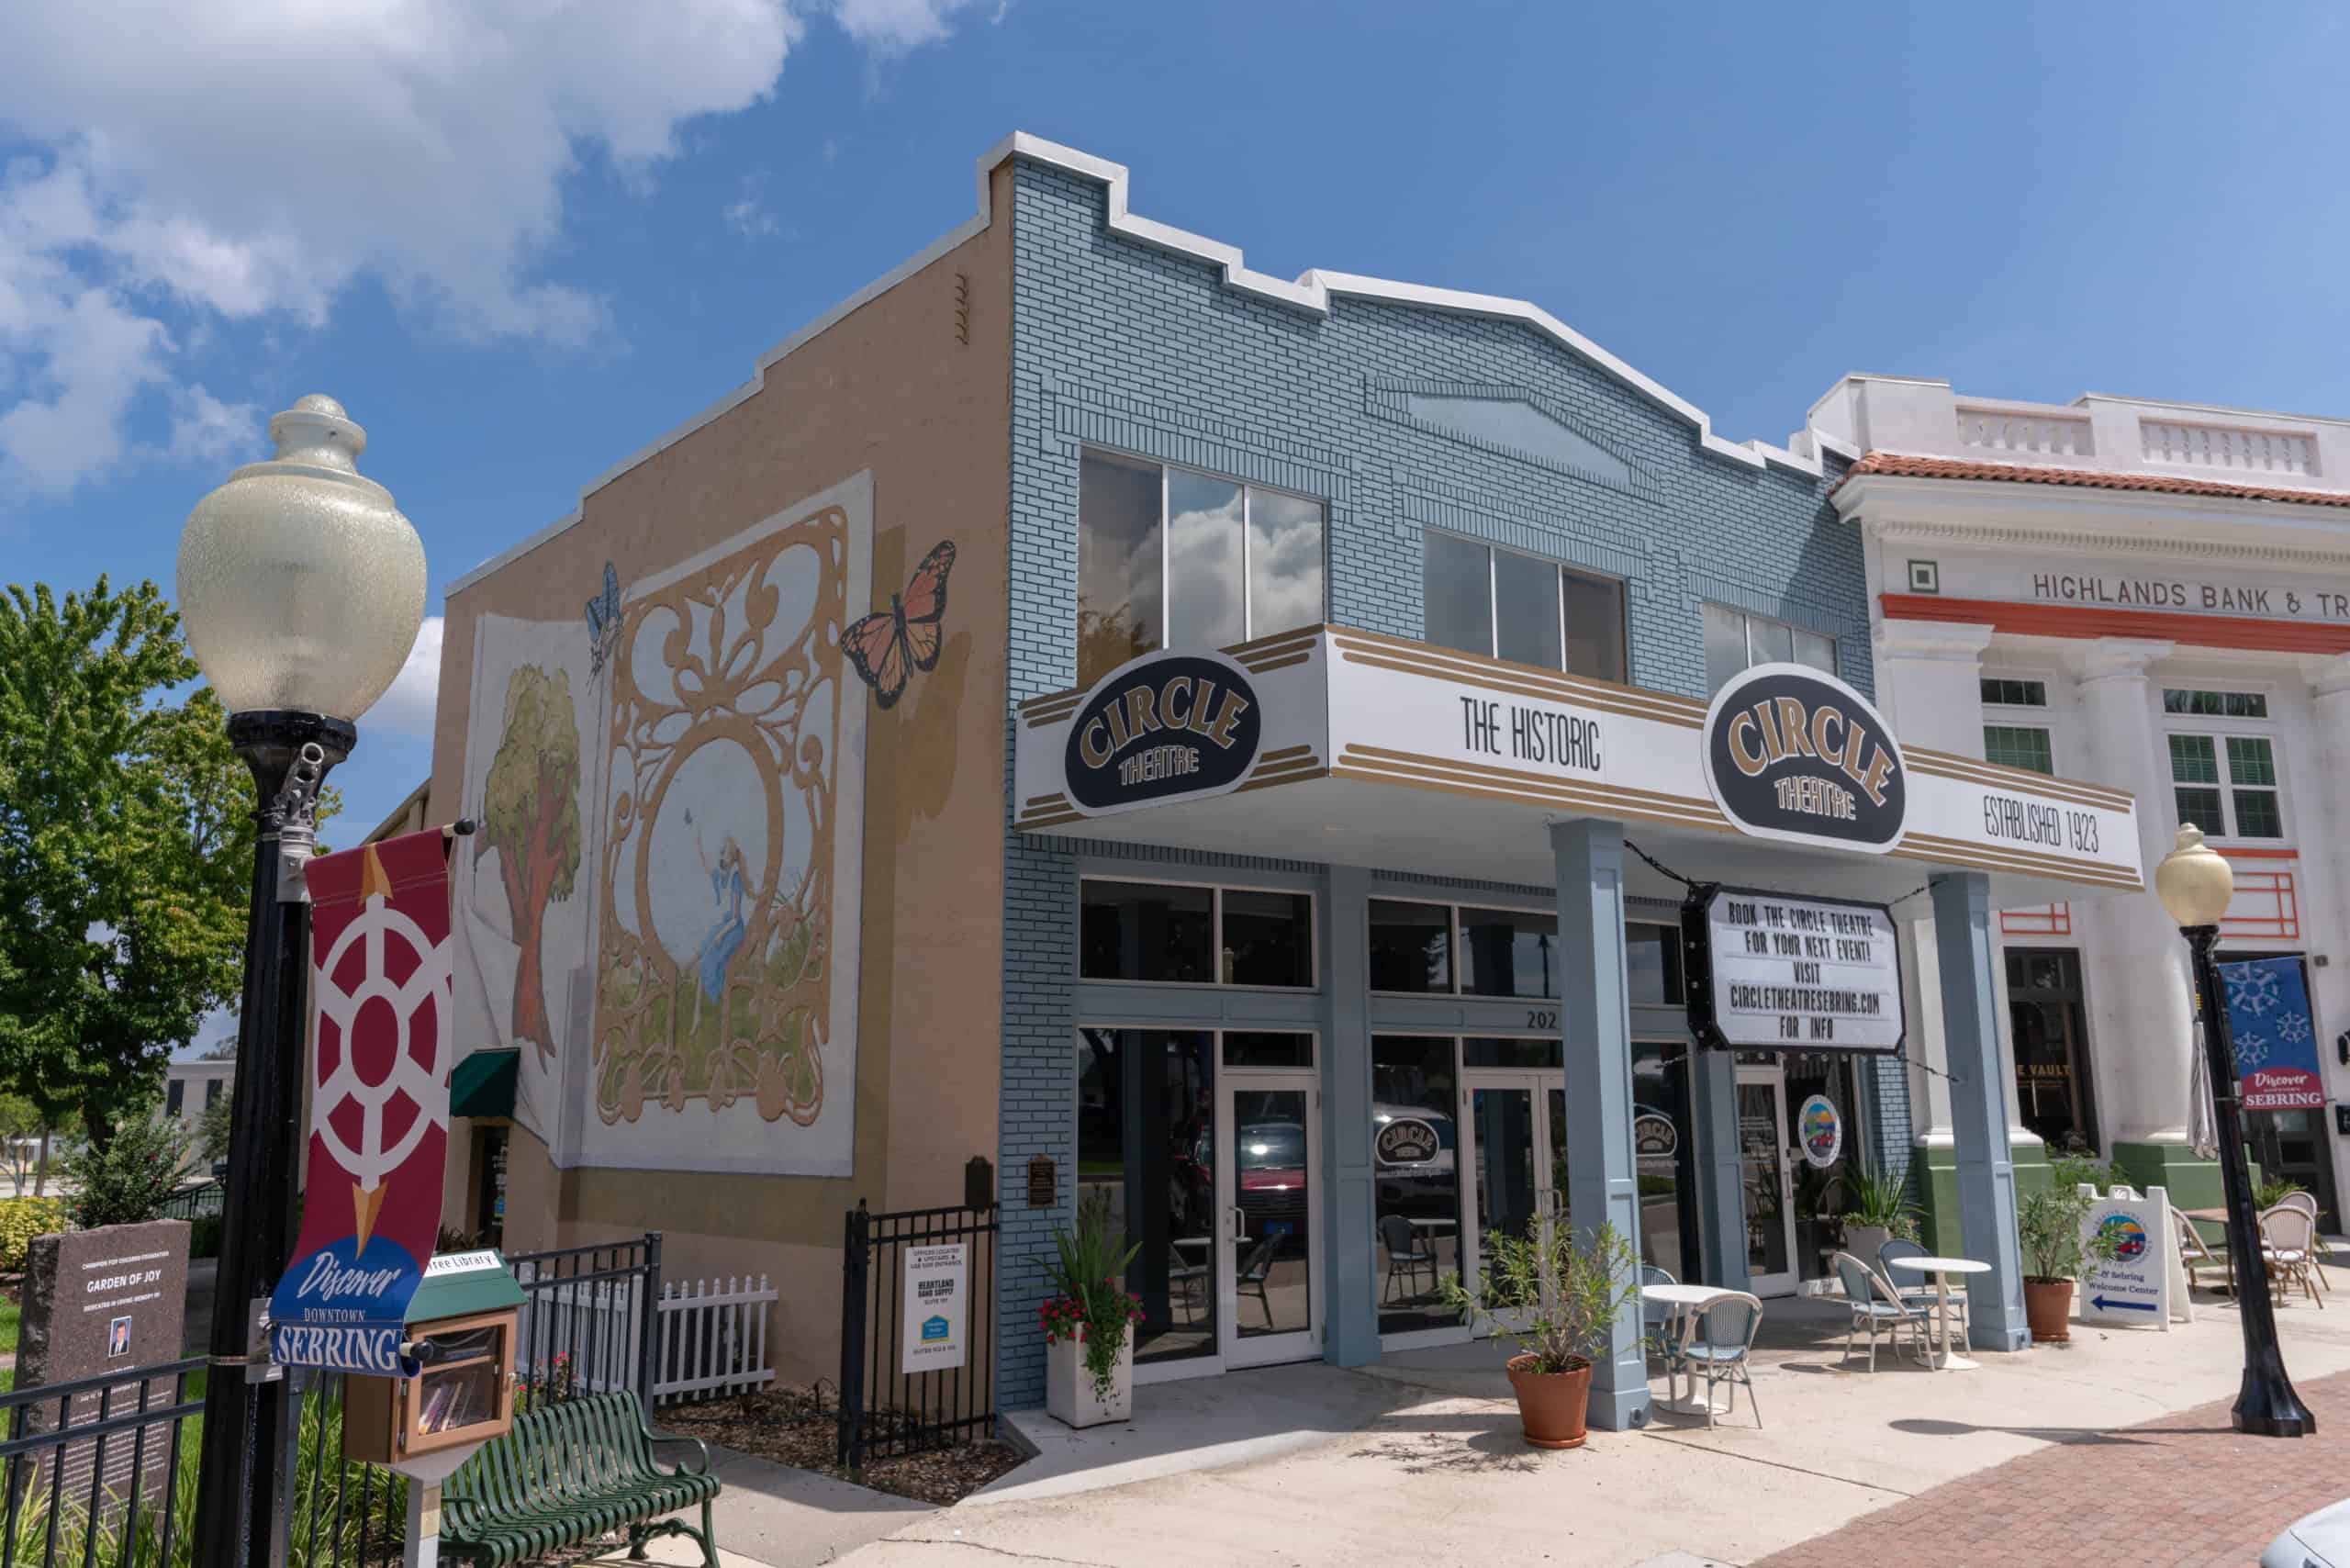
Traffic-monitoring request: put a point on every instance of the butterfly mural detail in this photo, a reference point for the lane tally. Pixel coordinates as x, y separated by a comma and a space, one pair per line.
886, 647
603, 619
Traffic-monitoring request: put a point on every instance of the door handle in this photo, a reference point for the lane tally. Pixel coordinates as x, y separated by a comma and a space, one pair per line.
1239, 1223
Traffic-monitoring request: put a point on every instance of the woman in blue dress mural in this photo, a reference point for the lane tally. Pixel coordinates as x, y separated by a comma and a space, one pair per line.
725, 937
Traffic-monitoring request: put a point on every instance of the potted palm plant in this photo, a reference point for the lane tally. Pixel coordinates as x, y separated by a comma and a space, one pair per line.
1559, 1303
1088, 1320
1877, 1208
2049, 1223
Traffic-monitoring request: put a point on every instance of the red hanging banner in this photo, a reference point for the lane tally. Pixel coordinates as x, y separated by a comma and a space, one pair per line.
380, 989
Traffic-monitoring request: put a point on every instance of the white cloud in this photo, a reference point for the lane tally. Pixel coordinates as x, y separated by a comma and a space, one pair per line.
892, 28
407, 706
747, 214
250, 161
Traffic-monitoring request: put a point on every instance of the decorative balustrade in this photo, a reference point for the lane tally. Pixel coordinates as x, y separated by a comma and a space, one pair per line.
1996, 429
2220, 446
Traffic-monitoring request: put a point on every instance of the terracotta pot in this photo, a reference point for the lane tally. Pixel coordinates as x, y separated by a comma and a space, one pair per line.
2048, 1309
1551, 1405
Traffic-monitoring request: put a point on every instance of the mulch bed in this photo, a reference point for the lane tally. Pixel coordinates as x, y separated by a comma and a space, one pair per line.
796, 1426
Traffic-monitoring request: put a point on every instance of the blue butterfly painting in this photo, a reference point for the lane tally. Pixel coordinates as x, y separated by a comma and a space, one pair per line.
603, 618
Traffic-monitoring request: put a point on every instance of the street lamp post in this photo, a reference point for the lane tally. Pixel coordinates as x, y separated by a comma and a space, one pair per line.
2195, 885
301, 588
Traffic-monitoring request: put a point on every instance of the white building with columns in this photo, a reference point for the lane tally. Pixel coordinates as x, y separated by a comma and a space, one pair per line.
2154, 597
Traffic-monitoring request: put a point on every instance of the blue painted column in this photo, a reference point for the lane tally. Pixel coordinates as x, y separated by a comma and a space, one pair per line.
1351, 1318
1978, 1102
1720, 1170
1595, 1023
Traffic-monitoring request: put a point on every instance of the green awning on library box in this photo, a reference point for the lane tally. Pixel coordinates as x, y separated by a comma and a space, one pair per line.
482, 1085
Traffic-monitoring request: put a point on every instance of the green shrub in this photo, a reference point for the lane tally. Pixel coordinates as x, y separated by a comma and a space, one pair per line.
21, 1219
204, 1237
127, 1181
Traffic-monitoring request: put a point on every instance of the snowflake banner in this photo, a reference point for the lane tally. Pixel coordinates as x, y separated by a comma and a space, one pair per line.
2269, 1014
380, 983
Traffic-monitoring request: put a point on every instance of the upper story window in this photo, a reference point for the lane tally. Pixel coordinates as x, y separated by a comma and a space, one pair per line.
1178, 933
2019, 745
1448, 950
2223, 771
1166, 557
1521, 608
2000, 691
1737, 641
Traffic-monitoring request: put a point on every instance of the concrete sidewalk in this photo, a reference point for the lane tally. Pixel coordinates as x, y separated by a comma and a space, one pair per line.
771, 1515
1437, 1470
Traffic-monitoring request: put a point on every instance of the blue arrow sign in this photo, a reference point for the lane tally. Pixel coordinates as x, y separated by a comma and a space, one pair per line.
2104, 1304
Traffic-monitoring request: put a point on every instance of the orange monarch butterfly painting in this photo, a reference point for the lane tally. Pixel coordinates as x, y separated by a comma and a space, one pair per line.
889, 646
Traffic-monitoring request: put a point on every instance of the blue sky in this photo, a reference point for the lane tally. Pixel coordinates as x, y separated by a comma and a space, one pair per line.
519, 238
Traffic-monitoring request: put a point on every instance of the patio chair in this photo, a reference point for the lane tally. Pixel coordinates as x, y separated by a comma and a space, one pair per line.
1253, 1273
2289, 1248
1656, 1316
2302, 1198
2198, 1254
1876, 1305
1184, 1275
1717, 1335
1915, 1288
1405, 1256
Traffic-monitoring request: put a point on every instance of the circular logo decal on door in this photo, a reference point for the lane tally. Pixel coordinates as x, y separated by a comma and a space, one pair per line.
1792, 754
1408, 1140
1821, 1129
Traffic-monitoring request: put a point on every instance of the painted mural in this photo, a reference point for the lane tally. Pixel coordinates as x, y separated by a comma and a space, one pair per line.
729, 855
524, 882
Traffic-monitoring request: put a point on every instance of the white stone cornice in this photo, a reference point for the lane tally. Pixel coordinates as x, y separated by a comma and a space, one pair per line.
2084, 541
2332, 676
2117, 658
2003, 514
1954, 642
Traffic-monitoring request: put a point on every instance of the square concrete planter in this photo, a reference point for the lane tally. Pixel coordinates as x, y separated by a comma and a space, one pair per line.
1068, 1387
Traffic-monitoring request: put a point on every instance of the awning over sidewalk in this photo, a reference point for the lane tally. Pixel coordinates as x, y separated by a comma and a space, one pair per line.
482, 1085
1345, 746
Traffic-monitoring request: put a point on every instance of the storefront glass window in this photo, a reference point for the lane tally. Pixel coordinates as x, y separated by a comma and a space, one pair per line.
1415, 1144
1411, 947
1507, 952
1119, 604
1145, 1115
1284, 562
2048, 1037
1268, 938
1662, 1152
1244, 1047
1204, 606
1652, 965
1146, 931
1820, 1188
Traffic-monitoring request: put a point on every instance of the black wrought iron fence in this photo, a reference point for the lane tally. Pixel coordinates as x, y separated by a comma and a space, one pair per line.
193, 1202
885, 1408
101, 1472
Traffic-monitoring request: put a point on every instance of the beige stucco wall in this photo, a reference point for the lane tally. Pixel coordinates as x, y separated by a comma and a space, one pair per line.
892, 390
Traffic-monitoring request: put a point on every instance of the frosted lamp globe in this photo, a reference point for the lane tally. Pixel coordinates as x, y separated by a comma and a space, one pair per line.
2194, 880
301, 587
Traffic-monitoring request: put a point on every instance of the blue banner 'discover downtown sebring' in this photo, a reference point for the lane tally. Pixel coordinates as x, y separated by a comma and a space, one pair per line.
2276, 1036
381, 986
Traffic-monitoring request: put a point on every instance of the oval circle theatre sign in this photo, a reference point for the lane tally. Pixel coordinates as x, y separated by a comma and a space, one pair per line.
1164, 727
1792, 754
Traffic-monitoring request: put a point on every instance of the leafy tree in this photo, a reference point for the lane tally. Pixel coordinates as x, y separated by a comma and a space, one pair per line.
530, 816
24, 1142
212, 1127
125, 851
125, 1179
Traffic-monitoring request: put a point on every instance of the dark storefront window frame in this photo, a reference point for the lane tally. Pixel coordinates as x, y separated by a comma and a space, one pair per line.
2015, 956
1217, 946
1674, 983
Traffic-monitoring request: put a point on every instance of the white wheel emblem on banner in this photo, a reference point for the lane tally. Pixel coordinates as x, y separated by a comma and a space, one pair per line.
421, 1081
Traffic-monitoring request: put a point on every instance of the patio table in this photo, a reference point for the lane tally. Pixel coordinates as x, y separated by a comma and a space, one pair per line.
1682, 1300
1943, 1269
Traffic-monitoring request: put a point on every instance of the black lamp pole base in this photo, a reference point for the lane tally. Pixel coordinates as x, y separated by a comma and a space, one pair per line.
2267, 1407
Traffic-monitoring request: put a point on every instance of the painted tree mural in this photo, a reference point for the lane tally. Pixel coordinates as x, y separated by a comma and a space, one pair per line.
530, 816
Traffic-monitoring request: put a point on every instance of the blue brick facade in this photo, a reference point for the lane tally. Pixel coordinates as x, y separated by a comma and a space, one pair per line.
1125, 346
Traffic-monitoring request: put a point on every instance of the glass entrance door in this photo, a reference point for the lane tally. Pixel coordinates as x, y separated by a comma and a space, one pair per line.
1517, 1163
1768, 1180
1269, 1240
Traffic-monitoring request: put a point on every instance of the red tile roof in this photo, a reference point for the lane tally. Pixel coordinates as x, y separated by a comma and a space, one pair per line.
1904, 466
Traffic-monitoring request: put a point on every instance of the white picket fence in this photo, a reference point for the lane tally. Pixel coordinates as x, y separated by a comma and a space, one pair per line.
713, 1334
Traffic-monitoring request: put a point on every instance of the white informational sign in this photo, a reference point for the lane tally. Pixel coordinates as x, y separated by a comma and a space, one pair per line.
2145, 1284
938, 1281
1800, 974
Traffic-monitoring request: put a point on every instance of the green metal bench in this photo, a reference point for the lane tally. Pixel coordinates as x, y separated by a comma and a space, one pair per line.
568, 1474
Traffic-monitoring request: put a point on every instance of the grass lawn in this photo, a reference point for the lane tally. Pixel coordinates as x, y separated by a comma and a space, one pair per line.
9, 1314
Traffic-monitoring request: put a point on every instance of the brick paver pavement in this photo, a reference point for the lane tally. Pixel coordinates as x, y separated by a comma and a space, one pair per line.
2183, 1492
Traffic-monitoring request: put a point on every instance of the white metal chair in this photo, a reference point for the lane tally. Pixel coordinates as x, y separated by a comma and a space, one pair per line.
1876, 1305
2303, 1199
1185, 1276
1656, 1316
1716, 1334
2289, 1248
